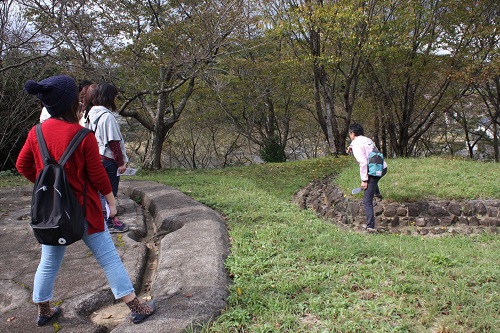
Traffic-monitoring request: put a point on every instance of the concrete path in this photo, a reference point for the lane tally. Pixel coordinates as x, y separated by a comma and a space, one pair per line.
174, 253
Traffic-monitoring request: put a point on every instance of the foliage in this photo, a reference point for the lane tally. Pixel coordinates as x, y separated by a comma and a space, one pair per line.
172, 43
410, 81
422, 76
336, 39
262, 92
152, 52
272, 151
203, 139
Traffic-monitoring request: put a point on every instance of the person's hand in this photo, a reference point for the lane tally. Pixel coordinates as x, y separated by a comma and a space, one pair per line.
364, 185
110, 198
112, 211
122, 168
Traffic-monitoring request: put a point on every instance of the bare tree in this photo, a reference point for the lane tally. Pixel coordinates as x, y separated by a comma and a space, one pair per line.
21, 58
73, 29
485, 77
490, 94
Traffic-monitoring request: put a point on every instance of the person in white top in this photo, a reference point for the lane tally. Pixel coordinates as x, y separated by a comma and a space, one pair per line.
361, 147
110, 141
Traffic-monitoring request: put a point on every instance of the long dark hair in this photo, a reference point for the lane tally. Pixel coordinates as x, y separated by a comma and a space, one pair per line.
86, 96
104, 95
71, 116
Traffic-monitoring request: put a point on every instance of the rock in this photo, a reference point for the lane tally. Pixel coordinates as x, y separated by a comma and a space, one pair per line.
330, 201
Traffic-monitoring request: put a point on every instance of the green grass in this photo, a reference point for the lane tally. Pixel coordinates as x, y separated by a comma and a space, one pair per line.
11, 178
293, 272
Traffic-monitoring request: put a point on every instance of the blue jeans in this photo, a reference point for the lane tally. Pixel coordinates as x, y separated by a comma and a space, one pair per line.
368, 195
102, 247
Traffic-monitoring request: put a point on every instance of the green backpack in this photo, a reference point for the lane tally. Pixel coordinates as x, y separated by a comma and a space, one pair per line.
375, 163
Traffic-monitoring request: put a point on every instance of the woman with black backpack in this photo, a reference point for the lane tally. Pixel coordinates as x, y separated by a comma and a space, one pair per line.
59, 95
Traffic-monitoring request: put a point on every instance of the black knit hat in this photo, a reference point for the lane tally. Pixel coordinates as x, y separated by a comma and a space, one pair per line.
57, 93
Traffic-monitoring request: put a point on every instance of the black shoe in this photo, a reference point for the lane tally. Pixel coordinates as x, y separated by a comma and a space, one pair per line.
41, 320
137, 318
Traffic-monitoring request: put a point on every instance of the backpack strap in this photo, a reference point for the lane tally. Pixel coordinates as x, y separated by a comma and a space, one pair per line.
46, 157
75, 142
96, 122
374, 147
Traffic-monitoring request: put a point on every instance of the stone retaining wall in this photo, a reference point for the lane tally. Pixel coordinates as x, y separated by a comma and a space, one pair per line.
412, 218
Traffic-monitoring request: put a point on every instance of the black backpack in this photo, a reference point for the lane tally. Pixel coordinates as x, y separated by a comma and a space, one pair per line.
56, 215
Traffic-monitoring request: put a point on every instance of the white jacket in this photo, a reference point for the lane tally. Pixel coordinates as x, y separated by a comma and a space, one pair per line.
361, 148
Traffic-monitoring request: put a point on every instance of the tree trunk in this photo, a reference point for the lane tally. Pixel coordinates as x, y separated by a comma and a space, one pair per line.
162, 125
495, 142
153, 159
